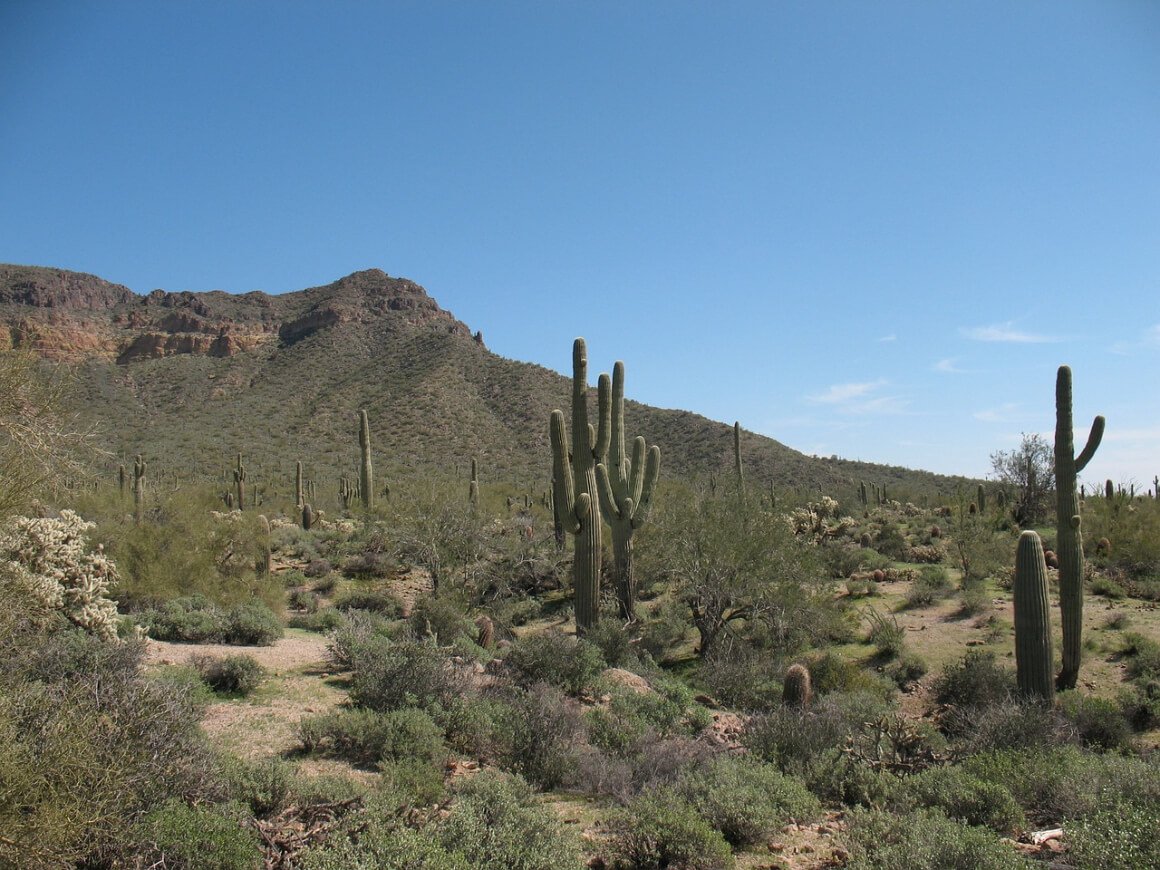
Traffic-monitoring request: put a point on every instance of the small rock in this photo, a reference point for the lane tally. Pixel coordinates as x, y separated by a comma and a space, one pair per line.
777, 847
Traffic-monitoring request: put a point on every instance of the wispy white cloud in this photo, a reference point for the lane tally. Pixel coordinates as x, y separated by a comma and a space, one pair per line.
860, 398
948, 366
891, 337
1005, 332
839, 393
1003, 414
1149, 339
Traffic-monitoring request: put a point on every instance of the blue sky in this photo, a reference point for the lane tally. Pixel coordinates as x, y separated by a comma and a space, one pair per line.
864, 229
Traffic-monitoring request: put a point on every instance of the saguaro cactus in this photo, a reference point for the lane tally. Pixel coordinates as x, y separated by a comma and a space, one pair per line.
473, 486
240, 483
574, 484
981, 499
139, 466
299, 495
121, 480
366, 474
626, 491
1032, 620
1069, 546
737, 470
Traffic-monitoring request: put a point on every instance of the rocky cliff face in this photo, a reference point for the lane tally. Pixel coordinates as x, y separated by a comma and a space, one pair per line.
72, 316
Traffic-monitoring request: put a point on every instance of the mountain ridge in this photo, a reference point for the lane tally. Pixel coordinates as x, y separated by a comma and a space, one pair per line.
194, 378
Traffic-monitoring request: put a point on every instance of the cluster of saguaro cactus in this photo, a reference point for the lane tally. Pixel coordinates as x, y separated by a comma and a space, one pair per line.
1069, 546
626, 489
574, 484
366, 474
240, 483
1032, 620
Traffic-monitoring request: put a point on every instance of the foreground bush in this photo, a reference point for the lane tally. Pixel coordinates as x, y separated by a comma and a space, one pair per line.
496, 824
924, 840
196, 619
198, 838
367, 737
231, 675
745, 800
660, 830
1119, 836
89, 743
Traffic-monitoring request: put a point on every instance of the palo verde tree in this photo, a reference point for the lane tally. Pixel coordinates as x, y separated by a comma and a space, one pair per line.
574, 483
1028, 470
1069, 546
626, 491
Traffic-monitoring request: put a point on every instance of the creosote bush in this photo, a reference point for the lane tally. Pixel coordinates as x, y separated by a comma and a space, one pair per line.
660, 830
744, 799
239, 674
567, 663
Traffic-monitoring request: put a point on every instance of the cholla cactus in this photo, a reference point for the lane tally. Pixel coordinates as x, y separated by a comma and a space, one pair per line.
49, 558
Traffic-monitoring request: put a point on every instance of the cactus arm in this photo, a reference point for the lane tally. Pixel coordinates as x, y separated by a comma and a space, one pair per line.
651, 473
634, 477
1089, 450
610, 506
604, 433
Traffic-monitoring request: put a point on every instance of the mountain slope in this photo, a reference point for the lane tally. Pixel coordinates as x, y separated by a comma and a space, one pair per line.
191, 379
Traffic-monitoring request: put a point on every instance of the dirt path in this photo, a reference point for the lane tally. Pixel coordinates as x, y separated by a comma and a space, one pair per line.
264, 724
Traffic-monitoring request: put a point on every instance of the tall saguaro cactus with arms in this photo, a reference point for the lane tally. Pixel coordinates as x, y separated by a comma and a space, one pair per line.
1069, 546
574, 484
626, 491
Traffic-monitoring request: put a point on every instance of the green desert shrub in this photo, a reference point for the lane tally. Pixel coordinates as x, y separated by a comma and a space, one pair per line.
542, 738
886, 636
366, 737
1054, 784
974, 681
196, 619
265, 785
933, 584
378, 844
372, 601
1100, 723
496, 824
327, 619
89, 742
744, 799
840, 778
229, 675
204, 837
965, 798
1121, 835
442, 618
567, 663
923, 840
354, 629
389, 675
658, 829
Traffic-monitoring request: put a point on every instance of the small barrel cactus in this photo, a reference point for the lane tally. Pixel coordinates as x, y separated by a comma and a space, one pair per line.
796, 690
